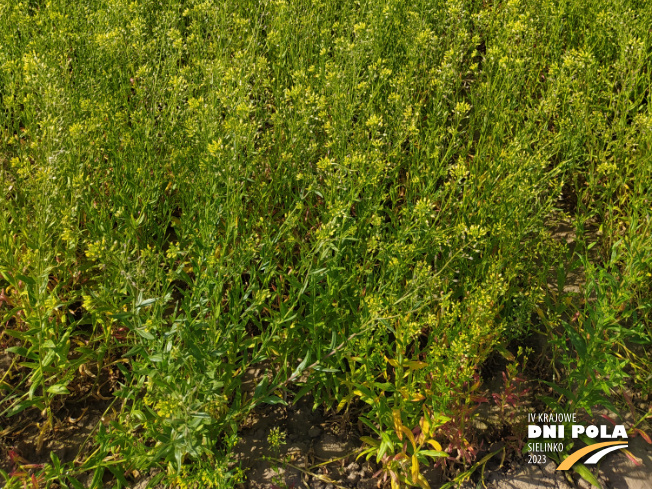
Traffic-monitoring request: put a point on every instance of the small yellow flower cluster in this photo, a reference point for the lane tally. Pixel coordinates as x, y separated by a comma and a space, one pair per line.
216, 147
458, 171
202, 478
50, 303
173, 251
87, 302
166, 407
96, 249
67, 233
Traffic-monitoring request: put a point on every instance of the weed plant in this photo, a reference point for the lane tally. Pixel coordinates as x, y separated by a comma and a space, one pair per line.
353, 196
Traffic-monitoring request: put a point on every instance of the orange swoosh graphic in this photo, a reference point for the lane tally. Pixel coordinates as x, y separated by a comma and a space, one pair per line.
575, 456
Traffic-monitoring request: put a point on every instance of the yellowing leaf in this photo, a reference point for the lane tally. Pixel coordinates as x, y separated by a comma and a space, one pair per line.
370, 441
423, 483
342, 404
637, 461
434, 444
416, 365
392, 362
396, 415
415, 469
409, 435
424, 423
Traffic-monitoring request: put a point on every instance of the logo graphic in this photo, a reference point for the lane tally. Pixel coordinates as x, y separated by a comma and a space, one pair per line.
607, 447
550, 437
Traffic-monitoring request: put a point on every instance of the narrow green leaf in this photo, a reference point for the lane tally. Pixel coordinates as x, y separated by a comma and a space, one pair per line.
58, 389
586, 474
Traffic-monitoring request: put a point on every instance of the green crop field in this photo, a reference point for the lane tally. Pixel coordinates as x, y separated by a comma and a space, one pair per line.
359, 200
